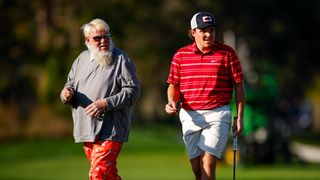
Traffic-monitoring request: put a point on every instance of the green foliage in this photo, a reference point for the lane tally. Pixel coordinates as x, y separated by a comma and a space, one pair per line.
41, 39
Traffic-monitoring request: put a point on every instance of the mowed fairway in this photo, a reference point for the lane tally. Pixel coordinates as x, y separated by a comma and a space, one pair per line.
154, 153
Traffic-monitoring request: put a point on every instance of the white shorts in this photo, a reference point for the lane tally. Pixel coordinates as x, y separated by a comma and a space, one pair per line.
206, 130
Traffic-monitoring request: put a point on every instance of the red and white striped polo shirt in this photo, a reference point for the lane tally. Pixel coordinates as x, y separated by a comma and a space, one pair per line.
206, 81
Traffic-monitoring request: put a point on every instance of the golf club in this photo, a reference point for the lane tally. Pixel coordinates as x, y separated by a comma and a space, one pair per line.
235, 146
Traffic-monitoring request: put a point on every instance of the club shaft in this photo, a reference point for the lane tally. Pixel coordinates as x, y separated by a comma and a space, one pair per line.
234, 163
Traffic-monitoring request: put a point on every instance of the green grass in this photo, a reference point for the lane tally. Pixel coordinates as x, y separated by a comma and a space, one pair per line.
153, 153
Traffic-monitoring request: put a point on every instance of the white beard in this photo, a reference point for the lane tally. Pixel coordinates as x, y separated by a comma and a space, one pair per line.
103, 58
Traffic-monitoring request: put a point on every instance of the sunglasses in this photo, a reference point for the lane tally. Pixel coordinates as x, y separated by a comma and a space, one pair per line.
98, 38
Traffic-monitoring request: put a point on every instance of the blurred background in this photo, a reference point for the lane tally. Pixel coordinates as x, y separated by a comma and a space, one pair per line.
277, 42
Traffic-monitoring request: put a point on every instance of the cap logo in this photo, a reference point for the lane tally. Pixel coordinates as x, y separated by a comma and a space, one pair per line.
207, 19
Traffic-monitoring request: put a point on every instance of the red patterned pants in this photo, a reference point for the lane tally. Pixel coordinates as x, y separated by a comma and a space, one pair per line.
102, 156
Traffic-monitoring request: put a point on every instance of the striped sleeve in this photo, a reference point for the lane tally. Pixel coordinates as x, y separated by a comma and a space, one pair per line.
235, 67
174, 75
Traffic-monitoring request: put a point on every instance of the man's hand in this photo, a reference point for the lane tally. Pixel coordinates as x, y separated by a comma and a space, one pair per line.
238, 126
67, 94
96, 108
171, 108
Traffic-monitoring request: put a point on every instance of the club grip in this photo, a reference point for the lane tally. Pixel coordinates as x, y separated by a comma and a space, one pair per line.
235, 137
235, 142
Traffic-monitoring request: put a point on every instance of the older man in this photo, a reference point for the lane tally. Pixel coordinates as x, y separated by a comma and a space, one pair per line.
102, 86
202, 77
